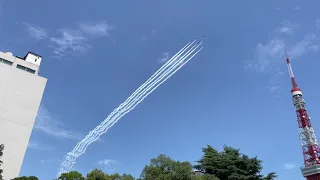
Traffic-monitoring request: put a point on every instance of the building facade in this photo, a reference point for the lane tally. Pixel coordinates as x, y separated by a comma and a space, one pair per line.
21, 90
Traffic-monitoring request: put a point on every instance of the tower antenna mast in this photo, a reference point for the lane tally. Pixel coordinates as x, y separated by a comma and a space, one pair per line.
309, 142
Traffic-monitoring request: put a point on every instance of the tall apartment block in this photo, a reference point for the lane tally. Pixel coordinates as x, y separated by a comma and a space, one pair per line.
21, 90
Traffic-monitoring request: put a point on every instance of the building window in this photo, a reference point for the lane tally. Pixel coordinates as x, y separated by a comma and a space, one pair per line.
6, 62
26, 69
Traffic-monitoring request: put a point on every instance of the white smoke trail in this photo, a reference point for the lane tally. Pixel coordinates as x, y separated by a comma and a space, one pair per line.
142, 86
105, 125
136, 102
159, 72
123, 111
127, 106
74, 155
169, 62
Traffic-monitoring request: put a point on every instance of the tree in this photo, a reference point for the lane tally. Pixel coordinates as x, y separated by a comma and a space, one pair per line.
230, 164
270, 176
96, 174
26, 178
115, 176
33, 178
71, 176
1, 154
206, 177
21, 178
165, 168
126, 177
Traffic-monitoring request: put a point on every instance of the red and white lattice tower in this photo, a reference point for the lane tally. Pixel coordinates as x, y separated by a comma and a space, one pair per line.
309, 142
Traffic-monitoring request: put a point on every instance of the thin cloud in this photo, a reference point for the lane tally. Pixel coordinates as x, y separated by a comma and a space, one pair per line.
50, 160
276, 81
318, 23
274, 88
107, 162
276, 76
69, 41
314, 47
46, 123
36, 32
304, 45
109, 165
33, 145
297, 8
38, 146
287, 27
164, 57
154, 31
152, 34
101, 28
289, 166
268, 55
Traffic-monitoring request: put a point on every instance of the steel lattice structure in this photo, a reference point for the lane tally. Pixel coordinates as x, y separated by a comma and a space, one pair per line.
309, 142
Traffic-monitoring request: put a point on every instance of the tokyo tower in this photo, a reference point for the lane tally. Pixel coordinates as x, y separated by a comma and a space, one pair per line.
309, 142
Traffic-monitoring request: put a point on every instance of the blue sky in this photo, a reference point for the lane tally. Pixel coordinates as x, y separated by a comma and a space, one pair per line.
235, 92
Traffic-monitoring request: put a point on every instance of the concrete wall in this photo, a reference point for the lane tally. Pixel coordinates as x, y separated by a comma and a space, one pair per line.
20, 96
17, 61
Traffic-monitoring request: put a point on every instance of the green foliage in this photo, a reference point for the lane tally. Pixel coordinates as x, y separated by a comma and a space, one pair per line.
33, 178
165, 168
26, 178
72, 175
113, 176
206, 177
97, 174
230, 164
126, 177
270, 176
21, 178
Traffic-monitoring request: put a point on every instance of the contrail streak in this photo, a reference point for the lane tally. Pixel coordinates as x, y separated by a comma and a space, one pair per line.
71, 154
75, 155
169, 62
137, 101
143, 92
85, 142
136, 92
159, 77
124, 111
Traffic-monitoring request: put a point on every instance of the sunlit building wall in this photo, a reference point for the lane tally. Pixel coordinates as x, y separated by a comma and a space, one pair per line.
21, 90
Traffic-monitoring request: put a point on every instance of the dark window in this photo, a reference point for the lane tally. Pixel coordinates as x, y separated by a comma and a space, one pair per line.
30, 70
6, 61
26, 69
21, 67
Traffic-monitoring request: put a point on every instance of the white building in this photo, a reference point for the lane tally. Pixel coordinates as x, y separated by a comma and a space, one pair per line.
21, 90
